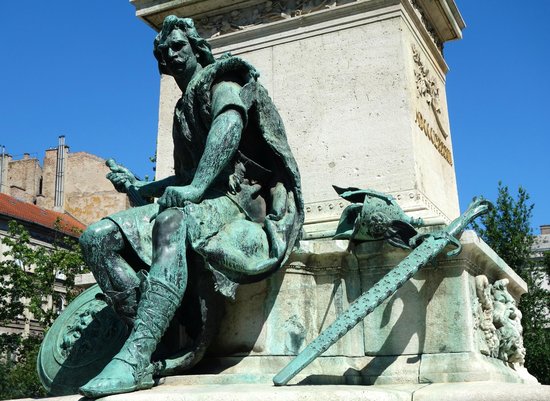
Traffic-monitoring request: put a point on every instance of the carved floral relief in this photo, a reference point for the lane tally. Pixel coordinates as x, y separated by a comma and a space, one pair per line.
263, 13
425, 82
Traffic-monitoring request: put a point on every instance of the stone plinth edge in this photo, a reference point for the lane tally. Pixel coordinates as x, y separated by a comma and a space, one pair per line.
475, 250
487, 391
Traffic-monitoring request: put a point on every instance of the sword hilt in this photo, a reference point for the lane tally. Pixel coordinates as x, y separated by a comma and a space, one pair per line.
478, 207
432, 245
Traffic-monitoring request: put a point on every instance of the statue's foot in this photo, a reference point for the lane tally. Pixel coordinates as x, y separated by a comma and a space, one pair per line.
116, 378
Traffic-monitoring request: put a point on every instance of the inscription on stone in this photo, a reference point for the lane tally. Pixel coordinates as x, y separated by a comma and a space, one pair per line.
434, 137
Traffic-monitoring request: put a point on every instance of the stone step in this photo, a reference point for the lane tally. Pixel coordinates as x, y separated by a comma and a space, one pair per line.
486, 391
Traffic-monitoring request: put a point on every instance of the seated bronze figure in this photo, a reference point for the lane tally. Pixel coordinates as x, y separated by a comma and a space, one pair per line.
232, 209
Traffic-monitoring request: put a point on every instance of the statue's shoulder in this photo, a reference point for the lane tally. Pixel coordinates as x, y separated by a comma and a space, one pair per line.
228, 64
226, 67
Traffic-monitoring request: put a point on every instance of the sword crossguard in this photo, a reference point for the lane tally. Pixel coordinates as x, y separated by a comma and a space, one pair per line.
428, 246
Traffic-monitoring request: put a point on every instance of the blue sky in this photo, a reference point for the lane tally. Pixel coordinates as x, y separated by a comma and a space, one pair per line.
86, 70
498, 93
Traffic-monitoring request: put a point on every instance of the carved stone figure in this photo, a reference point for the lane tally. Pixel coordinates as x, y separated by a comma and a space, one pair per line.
485, 316
500, 321
232, 209
507, 320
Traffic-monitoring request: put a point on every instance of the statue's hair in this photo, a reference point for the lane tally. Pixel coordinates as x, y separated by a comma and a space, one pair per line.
200, 46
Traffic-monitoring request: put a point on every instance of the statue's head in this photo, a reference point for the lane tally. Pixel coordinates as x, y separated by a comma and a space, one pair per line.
178, 43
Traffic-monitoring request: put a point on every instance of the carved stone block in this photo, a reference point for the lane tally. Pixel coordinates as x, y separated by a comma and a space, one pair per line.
430, 330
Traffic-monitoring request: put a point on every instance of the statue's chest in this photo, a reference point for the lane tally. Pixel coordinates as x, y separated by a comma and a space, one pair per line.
186, 136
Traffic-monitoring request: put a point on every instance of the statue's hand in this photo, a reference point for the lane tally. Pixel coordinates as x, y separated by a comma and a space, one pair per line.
121, 177
179, 196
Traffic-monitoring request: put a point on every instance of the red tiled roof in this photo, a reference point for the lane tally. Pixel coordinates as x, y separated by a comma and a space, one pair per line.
11, 207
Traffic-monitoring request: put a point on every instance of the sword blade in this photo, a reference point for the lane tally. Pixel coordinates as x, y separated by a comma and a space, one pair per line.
379, 292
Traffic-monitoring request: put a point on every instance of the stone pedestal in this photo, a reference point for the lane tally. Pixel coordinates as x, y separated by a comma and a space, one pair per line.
360, 86
432, 330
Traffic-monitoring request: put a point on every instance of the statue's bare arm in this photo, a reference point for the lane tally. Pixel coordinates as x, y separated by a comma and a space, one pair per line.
122, 179
221, 145
156, 188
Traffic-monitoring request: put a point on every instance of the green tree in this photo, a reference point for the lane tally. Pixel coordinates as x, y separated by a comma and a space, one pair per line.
507, 229
535, 307
30, 279
18, 378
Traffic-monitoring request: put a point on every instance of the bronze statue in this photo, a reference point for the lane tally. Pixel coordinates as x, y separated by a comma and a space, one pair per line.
232, 209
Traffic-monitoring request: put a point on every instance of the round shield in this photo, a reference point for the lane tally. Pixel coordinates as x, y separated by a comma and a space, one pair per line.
81, 341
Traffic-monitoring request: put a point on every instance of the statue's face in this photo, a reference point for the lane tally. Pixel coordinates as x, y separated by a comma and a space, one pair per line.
178, 55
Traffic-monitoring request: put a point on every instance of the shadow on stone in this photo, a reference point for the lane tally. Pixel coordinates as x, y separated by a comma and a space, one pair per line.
411, 322
244, 318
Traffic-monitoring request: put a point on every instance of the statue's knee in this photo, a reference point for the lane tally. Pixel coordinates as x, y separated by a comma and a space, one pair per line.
168, 222
97, 234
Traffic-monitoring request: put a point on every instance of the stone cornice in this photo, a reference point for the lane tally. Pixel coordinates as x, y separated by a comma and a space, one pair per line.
219, 17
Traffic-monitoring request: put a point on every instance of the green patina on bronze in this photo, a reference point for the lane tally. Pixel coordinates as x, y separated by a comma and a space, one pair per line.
231, 214
426, 248
81, 342
374, 216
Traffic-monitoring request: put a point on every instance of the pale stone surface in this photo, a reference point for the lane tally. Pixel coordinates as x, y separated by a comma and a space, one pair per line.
354, 84
23, 178
469, 367
325, 370
486, 259
46, 198
480, 391
269, 318
431, 322
434, 312
220, 17
483, 391
5, 160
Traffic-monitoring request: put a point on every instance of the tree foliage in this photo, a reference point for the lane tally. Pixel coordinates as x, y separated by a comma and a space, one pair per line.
31, 278
507, 229
18, 377
535, 307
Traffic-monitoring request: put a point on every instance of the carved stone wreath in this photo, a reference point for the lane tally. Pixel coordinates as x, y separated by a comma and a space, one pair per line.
425, 82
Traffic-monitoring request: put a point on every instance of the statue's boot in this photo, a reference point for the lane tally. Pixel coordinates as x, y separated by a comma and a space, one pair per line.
131, 369
123, 302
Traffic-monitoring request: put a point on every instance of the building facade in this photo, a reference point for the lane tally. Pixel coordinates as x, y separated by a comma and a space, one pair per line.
44, 227
68, 182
